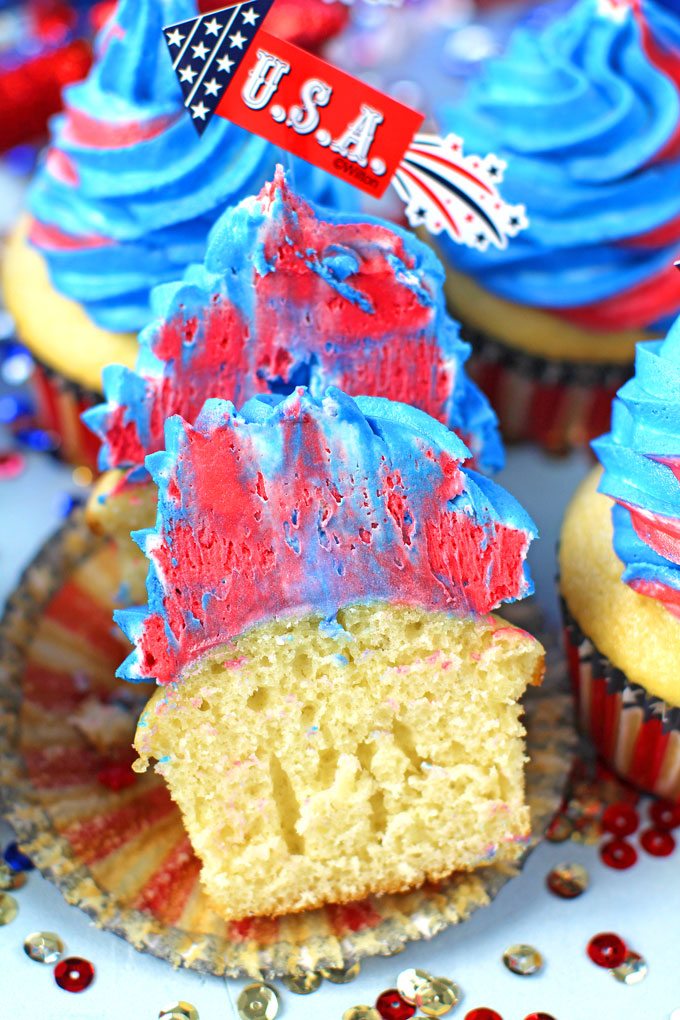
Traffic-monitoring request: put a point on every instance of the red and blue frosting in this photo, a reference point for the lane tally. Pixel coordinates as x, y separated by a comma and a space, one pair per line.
641, 458
586, 112
292, 295
128, 191
301, 505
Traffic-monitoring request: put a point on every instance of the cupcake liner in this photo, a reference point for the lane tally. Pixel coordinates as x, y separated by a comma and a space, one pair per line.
558, 404
59, 405
122, 854
634, 732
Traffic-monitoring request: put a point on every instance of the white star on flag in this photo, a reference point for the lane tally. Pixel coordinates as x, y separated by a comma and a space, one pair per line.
216, 43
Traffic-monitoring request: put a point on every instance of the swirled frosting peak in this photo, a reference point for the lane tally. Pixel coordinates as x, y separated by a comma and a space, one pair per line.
586, 112
289, 295
128, 191
300, 505
641, 458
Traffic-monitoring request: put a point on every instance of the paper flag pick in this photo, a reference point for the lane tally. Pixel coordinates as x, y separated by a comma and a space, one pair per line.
229, 65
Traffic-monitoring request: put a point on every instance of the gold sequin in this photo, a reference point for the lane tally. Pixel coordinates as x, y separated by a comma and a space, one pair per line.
410, 982
44, 947
9, 908
361, 1013
179, 1011
438, 998
10, 879
522, 959
341, 975
633, 970
258, 1002
302, 984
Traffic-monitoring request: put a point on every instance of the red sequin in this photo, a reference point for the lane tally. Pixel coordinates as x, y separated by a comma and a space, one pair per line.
619, 854
483, 1013
116, 777
539, 1016
657, 842
620, 819
11, 465
391, 1006
607, 950
665, 815
74, 974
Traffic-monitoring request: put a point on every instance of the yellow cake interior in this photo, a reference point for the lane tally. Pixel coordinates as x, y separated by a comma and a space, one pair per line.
316, 764
636, 633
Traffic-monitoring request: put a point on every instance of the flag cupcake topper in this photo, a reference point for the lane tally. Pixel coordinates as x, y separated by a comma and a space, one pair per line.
228, 64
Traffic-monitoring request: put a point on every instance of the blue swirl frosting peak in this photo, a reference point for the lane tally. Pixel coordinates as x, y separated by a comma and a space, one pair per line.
585, 111
128, 192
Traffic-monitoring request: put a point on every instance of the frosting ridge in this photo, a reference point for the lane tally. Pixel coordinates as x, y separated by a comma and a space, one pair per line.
586, 113
293, 295
128, 191
641, 459
301, 504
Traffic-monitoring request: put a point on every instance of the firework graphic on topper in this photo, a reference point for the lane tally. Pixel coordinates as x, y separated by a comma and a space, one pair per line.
229, 65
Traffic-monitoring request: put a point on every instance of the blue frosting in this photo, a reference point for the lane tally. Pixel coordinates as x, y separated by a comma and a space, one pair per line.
580, 112
299, 505
641, 459
154, 200
249, 249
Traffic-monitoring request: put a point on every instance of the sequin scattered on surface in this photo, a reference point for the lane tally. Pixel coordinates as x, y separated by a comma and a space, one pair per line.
391, 1006
44, 947
17, 859
302, 984
11, 879
539, 1016
607, 950
341, 975
82, 476
522, 959
361, 1013
9, 908
632, 971
258, 1002
11, 465
568, 881
618, 854
559, 830
620, 819
657, 842
411, 981
38, 440
483, 1013
179, 1011
438, 998
74, 974
665, 816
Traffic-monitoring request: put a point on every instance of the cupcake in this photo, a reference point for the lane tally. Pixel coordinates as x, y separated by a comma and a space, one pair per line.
585, 112
287, 295
337, 714
620, 579
123, 202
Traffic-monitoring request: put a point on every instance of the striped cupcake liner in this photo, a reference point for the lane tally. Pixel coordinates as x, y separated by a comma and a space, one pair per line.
635, 733
59, 405
122, 855
560, 405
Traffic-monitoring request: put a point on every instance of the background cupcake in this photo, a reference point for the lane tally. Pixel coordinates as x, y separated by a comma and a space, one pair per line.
620, 579
586, 112
123, 202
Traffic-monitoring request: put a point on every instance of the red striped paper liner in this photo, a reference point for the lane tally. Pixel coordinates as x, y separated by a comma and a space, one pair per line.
559, 405
59, 405
636, 734
122, 855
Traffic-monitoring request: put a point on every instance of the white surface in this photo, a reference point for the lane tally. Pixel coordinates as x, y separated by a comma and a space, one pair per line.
642, 905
